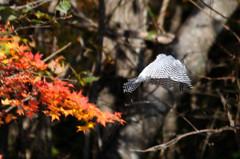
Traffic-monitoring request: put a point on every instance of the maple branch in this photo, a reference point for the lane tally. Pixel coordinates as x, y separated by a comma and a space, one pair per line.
57, 52
36, 73
178, 138
13, 106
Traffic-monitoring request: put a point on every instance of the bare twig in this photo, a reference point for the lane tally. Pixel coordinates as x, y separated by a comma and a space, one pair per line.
162, 15
237, 121
223, 25
25, 27
57, 52
164, 38
226, 51
178, 138
31, 5
184, 118
218, 78
218, 12
226, 108
209, 135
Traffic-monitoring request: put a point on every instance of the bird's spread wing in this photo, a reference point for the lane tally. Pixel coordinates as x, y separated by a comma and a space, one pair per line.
167, 72
131, 85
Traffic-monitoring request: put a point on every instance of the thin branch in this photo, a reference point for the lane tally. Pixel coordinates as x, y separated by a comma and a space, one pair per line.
226, 108
163, 38
206, 141
218, 12
226, 51
162, 12
13, 106
31, 5
180, 137
57, 52
114, 33
237, 121
223, 25
184, 118
25, 27
36, 73
218, 78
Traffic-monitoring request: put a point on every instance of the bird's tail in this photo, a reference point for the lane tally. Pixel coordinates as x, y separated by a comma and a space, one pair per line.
131, 85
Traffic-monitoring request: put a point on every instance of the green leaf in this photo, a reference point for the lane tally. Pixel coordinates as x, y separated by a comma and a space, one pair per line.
39, 14
90, 79
151, 14
8, 14
84, 80
150, 33
3, 65
27, 9
75, 73
12, 17
2, 7
83, 73
55, 151
37, 21
25, 41
63, 6
74, 22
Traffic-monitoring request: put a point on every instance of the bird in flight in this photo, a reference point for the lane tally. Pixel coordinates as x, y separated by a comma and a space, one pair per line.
165, 71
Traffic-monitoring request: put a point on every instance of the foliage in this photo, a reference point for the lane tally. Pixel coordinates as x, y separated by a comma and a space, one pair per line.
24, 90
63, 6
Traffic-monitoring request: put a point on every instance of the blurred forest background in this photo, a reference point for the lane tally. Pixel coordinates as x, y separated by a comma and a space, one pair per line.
114, 40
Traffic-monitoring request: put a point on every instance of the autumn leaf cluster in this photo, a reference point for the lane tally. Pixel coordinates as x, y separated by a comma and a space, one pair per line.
25, 90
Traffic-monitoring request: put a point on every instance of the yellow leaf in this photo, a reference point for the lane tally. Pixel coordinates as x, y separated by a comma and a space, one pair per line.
6, 102
90, 125
54, 116
16, 38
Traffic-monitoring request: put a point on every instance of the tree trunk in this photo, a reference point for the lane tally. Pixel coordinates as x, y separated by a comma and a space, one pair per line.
4, 140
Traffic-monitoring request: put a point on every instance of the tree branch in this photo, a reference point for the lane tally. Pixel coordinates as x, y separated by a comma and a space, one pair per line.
218, 12
178, 138
162, 15
57, 52
31, 5
223, 25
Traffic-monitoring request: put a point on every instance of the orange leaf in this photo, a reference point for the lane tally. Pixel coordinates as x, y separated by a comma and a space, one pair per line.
9, 118
90, 125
